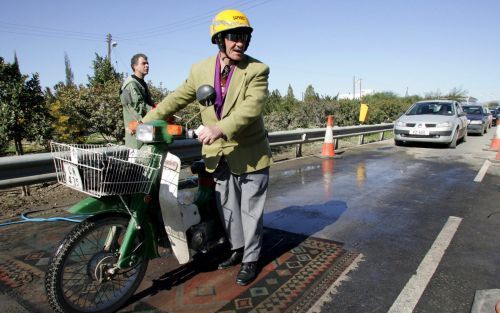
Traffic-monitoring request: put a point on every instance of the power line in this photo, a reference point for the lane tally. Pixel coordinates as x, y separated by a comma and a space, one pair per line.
118, 59
48, 35
168, 26
163, 32
40, 30
186, 23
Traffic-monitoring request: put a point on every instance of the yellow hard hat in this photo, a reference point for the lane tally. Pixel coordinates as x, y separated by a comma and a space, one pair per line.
229, 19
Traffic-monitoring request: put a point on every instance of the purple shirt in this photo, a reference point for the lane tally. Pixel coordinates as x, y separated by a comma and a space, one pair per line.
220, 94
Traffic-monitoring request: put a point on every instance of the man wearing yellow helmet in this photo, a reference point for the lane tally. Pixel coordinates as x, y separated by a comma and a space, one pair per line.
235, 145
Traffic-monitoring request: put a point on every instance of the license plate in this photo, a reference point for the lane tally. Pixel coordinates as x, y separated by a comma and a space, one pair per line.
73, 178
421, 132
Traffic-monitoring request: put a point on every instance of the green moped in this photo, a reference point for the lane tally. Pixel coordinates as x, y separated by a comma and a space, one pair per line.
133, 207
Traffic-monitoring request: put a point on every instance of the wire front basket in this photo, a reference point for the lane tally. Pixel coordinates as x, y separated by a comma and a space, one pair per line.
101, 170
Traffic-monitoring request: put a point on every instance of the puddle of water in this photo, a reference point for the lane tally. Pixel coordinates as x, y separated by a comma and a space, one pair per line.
307, 219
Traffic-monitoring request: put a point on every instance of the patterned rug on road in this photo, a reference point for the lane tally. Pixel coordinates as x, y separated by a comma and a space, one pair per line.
295, 271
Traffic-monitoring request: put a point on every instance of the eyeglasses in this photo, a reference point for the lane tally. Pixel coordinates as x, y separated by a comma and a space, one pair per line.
237, 37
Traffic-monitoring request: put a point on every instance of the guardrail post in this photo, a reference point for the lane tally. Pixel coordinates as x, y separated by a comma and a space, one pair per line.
382, 133
298, 147
298, 150
361, 139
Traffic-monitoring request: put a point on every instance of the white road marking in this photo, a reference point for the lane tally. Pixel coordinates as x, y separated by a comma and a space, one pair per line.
409, 296
482, 171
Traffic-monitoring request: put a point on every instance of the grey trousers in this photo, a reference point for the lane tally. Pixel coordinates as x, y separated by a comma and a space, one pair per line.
240, 199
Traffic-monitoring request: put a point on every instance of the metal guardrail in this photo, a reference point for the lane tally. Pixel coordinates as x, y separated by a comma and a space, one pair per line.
39, 168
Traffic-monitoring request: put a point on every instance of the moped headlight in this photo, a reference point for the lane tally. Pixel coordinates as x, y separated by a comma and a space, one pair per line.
145, 133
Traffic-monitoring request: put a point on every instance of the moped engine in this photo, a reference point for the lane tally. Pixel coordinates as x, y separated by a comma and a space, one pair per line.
205, 235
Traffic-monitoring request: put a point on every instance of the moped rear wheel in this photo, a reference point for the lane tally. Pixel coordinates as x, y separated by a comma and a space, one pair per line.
82, 274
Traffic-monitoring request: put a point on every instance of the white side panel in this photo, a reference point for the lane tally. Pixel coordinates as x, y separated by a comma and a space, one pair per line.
171, 210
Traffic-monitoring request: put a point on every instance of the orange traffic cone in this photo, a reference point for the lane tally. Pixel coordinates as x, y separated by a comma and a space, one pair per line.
495, 142
328, 145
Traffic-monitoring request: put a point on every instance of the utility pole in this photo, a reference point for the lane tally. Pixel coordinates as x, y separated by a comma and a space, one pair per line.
111, 45
353, 87
360, 88
108, 40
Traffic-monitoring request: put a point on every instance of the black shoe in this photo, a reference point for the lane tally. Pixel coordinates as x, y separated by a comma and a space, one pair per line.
247, 273
233, 260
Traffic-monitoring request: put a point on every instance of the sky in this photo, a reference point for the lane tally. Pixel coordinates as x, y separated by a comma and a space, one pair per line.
419, 46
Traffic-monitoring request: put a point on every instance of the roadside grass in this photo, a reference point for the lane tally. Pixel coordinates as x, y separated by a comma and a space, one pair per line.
28, 147
314, 148
350, 141
98, 139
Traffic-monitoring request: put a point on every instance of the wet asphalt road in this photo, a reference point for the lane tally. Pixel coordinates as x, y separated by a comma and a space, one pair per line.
389, 204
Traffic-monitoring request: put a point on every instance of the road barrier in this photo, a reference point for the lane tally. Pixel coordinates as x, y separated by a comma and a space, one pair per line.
39, 168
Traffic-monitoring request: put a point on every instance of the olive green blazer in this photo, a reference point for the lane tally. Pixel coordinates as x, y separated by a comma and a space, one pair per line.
245, 145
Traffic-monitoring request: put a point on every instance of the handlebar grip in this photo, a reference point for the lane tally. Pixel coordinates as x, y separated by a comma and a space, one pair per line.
133, 125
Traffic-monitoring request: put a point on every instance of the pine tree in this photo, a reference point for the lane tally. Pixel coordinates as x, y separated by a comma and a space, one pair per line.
103, 101
289, 93
68, 71
103, 72
310, 96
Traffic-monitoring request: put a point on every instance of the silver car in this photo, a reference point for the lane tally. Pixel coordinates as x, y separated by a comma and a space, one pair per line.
435, 121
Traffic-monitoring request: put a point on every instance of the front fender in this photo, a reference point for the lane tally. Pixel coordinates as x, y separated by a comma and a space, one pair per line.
93, 205
112, 205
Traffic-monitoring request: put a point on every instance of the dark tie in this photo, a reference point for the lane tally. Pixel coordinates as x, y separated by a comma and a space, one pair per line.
225, 74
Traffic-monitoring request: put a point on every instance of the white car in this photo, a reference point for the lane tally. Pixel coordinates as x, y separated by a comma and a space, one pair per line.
435, 121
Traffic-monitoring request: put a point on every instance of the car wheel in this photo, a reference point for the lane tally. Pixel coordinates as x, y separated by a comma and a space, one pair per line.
453, 143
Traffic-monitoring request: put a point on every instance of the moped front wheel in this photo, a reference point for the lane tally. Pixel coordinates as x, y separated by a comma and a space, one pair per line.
82, 274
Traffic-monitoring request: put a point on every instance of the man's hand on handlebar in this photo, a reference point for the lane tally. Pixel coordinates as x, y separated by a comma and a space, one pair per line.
132, 126
208, 134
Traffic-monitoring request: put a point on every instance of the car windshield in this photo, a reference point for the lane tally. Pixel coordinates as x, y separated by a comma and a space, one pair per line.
472, 109
437, 108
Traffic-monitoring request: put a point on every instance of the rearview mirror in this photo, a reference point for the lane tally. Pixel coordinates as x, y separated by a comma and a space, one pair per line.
205, 95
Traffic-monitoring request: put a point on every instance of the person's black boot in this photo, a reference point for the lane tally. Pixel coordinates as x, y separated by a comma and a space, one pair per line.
233, 260
247, 273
